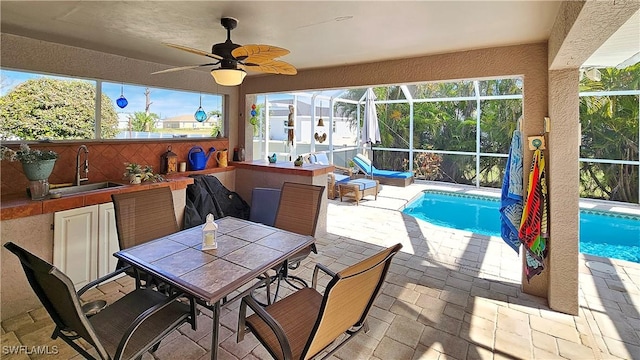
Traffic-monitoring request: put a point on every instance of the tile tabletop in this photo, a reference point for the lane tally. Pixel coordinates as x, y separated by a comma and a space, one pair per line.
245, 250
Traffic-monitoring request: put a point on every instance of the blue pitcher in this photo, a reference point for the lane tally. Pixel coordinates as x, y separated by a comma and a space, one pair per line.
197, 159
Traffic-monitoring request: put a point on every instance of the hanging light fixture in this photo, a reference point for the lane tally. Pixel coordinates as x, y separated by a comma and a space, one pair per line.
122, 101
200, 115
228, 77
320, 135
320, 121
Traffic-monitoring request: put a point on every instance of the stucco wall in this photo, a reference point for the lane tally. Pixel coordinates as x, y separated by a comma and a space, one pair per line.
581, 27
563, 179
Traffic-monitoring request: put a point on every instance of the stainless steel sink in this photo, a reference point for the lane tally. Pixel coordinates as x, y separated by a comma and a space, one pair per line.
83, 188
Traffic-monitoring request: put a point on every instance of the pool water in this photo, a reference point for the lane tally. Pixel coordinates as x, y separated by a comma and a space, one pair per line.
601, 234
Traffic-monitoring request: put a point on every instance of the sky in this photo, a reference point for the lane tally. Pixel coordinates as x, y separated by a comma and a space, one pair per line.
166, 103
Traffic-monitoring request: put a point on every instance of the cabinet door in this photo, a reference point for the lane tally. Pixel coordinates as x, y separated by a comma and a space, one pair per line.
75, 244
107, 239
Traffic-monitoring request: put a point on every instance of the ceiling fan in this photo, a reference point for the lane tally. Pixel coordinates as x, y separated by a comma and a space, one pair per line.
234, 59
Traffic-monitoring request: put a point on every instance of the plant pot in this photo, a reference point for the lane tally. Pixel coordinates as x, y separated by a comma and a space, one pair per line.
39, 170
135, 179
39, 189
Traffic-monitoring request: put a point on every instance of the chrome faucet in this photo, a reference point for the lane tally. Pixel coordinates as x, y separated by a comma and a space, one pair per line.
85, 165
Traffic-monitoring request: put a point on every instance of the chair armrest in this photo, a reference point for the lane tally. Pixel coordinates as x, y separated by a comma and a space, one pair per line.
344, 169
144, 316
269, 320
102, 279
328, 271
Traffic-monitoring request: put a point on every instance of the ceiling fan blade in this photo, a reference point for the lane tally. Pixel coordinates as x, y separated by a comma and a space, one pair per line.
273, 67
257, 59
194, 51
266, 51
181, 68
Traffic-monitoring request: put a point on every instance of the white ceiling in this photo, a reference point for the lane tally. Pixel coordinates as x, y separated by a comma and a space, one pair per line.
318, 33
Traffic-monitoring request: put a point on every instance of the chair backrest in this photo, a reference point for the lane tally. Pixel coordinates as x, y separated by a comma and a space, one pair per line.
264, 205
319, 158
299, 208
364, 164
348, 298
144, 215
58, 295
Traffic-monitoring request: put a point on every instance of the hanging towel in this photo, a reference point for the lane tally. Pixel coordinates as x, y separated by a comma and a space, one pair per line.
511, 197
533, 229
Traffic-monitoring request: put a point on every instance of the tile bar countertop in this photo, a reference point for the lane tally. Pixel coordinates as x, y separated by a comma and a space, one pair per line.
18, 205
285, 167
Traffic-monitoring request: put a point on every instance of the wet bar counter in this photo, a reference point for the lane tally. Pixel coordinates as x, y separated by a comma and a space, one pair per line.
16, 206
260, 173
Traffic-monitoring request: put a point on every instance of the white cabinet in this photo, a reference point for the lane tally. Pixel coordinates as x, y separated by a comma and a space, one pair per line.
107, 239
84, 240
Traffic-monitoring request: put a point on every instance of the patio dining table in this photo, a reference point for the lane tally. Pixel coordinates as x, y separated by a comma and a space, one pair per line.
245, 251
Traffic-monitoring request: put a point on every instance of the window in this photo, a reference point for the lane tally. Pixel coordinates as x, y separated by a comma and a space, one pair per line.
610, 124
455, 131
163, 113
38, 107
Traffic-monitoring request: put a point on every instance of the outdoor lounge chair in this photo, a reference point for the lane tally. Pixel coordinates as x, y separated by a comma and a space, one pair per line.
306, 323
125, 329
387, 177
340, 175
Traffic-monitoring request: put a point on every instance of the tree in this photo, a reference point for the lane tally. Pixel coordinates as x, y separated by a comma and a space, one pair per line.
54, 109
142, 121
447, 126
610, 131
217, 127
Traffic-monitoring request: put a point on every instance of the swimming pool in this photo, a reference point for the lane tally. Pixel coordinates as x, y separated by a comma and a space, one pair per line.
601, 234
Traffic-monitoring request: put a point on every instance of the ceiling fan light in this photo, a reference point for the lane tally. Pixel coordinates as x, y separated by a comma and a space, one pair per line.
228, 77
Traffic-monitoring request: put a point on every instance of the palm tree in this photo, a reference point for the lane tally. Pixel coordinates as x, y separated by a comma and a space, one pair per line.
141, 121
217, 127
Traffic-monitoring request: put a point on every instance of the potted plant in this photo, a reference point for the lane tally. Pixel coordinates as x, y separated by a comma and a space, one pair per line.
37, 166
353, 167
137, 173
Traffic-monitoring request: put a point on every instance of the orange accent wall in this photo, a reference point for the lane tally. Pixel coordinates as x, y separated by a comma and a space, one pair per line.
106, 160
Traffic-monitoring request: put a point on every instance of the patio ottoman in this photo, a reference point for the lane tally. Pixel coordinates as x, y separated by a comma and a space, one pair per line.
359, 188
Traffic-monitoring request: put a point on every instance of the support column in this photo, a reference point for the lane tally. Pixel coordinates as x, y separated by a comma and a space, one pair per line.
563, 178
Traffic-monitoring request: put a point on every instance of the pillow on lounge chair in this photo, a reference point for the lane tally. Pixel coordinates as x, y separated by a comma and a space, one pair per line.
319, 158
367, 167
322, 159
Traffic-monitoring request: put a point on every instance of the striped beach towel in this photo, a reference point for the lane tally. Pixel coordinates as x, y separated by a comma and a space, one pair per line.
533, 228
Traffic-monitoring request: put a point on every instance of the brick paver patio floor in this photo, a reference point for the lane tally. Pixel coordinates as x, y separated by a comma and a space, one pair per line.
449, 295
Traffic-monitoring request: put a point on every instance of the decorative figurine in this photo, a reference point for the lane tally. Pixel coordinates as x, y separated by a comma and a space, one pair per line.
272, 158
298, 161
290, 124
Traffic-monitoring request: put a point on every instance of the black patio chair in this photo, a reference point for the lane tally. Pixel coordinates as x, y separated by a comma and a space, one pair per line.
126, 329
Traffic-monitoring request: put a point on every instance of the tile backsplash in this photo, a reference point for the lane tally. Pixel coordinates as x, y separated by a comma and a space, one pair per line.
106, 160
